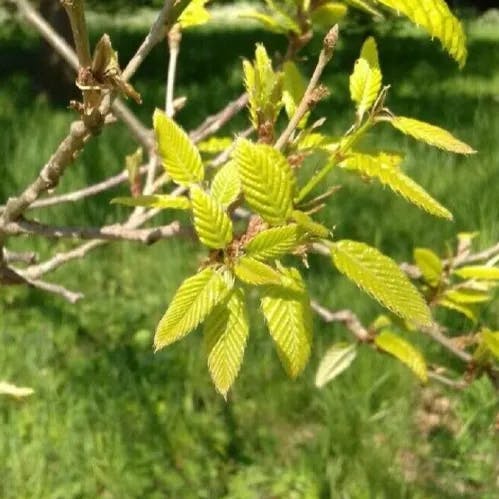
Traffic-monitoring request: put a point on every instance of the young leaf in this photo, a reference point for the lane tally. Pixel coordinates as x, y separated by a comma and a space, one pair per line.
215, 145
194, 14
478, 272
385, 168
491, 340
226, 332
430, 134
336, 360
180, 157
466, 296
161, 201
256, 273
212, 224
430, 265
462, 309
403, 351
226, 185
328, 14
381, 277
436, 18
366, 79
194, 300
273, 243
294, 86
267, 180
308, 224
264, 87
289, 319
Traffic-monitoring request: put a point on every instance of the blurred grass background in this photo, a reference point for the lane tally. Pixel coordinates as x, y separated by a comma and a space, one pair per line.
110, 419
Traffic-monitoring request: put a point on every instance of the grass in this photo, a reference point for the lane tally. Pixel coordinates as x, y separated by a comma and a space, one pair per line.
111, 420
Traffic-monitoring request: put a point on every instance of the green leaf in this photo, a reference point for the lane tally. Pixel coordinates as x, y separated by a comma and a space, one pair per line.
435, 17
195, 14
180, 157
430, 265
273, 243
196, 297
403, 351
256, 273
289, 319
212, 224
491, 340
430, 134
161, 201
328, 14
336, 360
264, 87
226, 185
366, 79
294, 87
308, 224
478, 272
267, 180
215, 145
466, 296
226, 332
462, 309
385, 168
381, 277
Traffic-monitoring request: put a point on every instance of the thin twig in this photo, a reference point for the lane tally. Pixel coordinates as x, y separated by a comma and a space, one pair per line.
115, 232
309, 96
155, 35
68, 295
174, 38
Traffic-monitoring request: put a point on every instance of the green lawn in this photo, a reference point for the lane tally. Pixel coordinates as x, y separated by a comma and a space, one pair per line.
110, 419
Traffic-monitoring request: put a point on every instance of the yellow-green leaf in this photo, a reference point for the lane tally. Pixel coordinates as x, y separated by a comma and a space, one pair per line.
194, 14
294, 86
289, 319
267, 180
478, 272
196, 297
430, 134
382, 278
226, 332
256, 273
336, 360
212, 224
161, 201
328, 14
385, 168
435, 17
308, 224
466, 296
264, 87
491, 340
366, 79
179, 155
273, 243
226, 185
403, 351
462, 309
215, 145
430, 265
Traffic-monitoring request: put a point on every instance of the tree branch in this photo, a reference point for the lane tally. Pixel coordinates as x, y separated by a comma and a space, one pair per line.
174, 38
155, 35
76, 13
310, 97
110, 233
